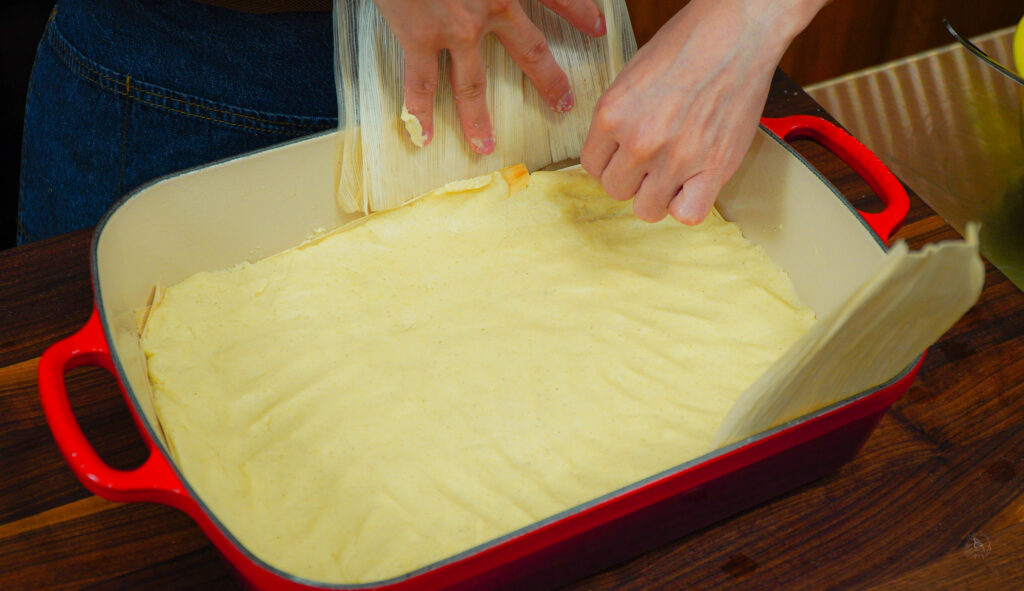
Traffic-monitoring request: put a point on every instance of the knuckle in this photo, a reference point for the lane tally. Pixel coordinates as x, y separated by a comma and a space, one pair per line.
646, 146
537, 52
633, 157
604, 120
464, 31
607, 115
421, 85
462, 37
471, 90
609, 100
420, 38
501, 6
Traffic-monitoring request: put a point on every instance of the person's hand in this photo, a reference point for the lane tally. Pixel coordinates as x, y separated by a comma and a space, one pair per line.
678, 120
424, 28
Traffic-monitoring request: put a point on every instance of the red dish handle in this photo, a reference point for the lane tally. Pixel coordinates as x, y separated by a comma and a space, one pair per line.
153, 481
859, 158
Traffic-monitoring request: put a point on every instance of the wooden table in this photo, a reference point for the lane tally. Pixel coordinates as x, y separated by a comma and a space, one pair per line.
933, 501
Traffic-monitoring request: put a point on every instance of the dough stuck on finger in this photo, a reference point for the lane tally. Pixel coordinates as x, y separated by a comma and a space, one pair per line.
414, 127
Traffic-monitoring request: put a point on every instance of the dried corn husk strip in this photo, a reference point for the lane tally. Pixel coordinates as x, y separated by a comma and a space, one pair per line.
910, 301
380, 168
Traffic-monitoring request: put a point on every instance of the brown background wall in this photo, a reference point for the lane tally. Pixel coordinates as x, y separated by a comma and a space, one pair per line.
849, 35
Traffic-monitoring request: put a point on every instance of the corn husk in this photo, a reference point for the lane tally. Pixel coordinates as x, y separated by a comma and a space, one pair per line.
380, 167
903, 308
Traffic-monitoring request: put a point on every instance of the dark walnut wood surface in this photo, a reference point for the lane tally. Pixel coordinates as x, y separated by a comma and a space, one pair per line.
933, 501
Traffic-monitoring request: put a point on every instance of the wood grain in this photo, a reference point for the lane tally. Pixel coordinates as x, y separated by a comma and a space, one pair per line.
40, 298
933, 501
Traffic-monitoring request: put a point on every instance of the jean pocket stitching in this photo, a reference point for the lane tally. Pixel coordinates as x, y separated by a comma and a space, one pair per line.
181, 98
113, 82
79, 65
215, 119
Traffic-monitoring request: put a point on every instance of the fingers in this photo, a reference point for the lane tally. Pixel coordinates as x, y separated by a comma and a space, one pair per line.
622, 177
653, 188
469, 86
694, 201
421, 74
526, 45
582, 14
650, 203
598, 150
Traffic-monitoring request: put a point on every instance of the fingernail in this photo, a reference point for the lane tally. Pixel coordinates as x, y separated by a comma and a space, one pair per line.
483, 146
565, 103
599, 27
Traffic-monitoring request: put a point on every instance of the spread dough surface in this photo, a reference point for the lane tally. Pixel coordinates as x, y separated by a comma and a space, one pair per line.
448, 372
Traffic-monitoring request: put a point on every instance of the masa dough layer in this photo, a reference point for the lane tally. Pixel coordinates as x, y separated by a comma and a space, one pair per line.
448, 372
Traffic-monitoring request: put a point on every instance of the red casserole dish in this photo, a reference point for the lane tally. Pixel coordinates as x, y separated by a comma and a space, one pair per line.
191, 221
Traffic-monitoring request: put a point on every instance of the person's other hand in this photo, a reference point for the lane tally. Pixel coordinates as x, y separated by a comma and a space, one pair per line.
678, 120
424, 28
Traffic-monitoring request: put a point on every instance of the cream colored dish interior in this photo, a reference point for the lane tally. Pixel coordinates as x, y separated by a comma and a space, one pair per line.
247, 208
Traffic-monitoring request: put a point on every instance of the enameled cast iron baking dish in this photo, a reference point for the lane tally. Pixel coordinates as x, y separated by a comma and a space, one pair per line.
254, 205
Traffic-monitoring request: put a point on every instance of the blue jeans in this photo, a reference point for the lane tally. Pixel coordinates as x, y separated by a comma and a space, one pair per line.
125, 91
